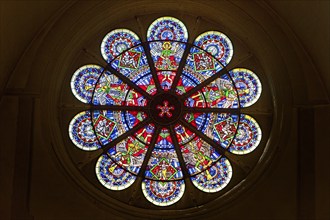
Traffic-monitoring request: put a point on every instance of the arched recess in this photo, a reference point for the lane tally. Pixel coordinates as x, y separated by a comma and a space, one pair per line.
72, 38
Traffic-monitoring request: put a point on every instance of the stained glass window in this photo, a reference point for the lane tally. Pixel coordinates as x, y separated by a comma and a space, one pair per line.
165, 111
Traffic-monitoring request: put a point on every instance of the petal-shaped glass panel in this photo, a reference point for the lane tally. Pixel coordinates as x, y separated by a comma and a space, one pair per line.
163, 165
220, 93
167, 28
166, 54
163, 193
83, 82
197, 154
221, 127
215, 178
248, 86
116, 42
129, 154
134, 65
81, 132
165, 79
110, 90
111, 124
217, 44
248, 136
111, 175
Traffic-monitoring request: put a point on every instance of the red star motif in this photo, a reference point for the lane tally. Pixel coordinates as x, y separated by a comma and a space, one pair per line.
165, 109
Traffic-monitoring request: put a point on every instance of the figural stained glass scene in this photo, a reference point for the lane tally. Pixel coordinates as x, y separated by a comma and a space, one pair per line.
165, 110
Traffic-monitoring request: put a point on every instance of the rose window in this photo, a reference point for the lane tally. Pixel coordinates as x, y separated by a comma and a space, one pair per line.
166, 113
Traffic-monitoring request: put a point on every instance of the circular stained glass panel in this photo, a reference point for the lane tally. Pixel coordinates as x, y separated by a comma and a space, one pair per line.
170, 115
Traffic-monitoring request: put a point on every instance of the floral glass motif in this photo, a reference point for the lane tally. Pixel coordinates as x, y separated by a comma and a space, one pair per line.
182, 138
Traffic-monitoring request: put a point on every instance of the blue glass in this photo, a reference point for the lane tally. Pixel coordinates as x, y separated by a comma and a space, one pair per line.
217, 44
167, 28
248, 86
248, 136
116, 42
215, 178
84, 80
111, 175
81, 132
163, 193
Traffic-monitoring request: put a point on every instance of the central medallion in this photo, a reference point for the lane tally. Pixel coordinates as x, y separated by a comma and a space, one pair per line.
165, 108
